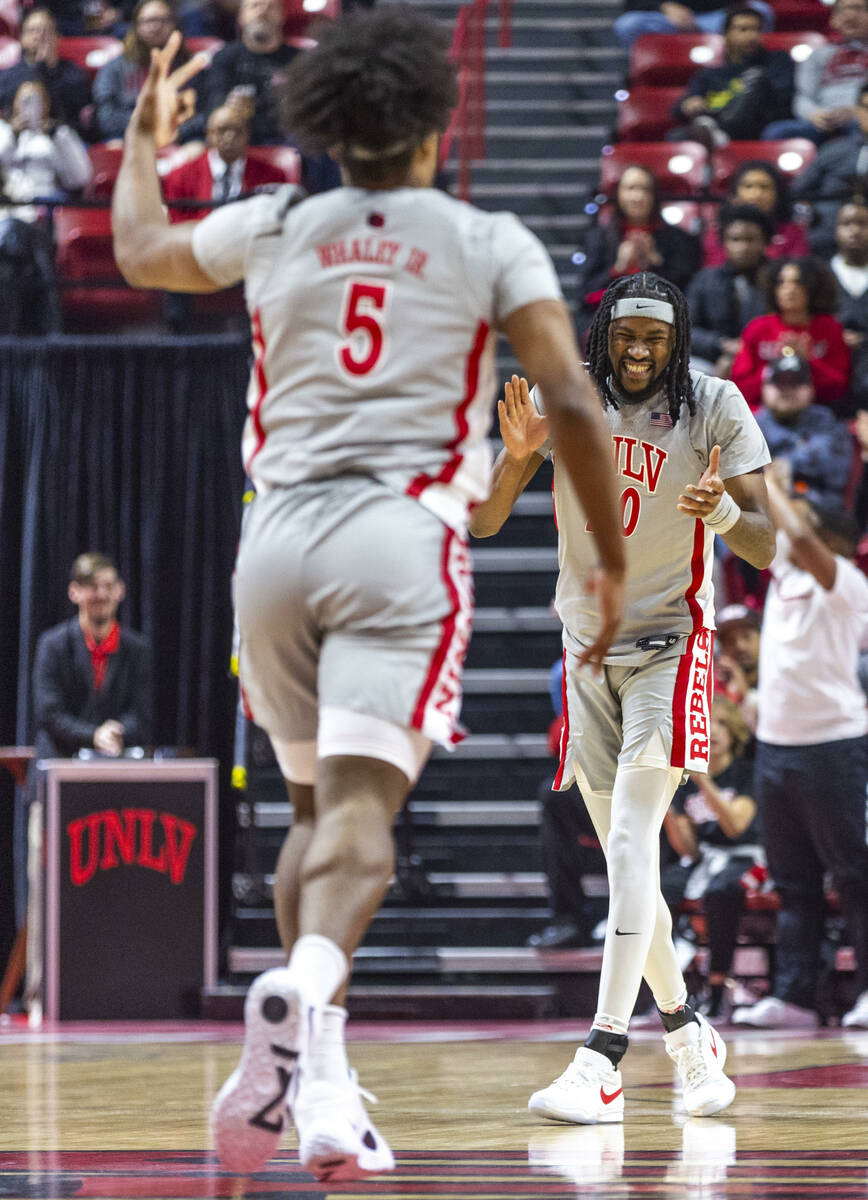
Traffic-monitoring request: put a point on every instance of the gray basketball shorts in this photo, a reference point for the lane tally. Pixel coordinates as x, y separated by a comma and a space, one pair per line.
612, 717
350, 595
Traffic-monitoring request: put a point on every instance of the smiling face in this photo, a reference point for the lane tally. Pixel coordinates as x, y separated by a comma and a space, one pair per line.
639, 350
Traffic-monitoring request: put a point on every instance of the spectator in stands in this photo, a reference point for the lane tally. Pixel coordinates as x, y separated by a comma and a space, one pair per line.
633, 237
253, 69
815, 445
67, 85
761, 184
802, 295
224, 171
737, 98
829, 79
39, 158
118, 82
652, 16
723, 299
811, 763
840, 168
850, 267
736, 670
860, 503
89, 18
712, 827
92, 676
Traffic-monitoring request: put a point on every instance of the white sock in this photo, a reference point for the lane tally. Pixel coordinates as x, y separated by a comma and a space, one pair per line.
327, 1054
320, 965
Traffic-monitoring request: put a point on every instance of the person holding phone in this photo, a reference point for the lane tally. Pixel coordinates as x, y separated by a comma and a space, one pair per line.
39, 159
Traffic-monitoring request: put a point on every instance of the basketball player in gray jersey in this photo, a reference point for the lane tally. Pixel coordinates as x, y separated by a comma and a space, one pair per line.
374, 311
689, 455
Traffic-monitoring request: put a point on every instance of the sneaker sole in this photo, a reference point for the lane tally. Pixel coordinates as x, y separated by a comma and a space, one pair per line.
716, 1104
248, 1114
609, 1116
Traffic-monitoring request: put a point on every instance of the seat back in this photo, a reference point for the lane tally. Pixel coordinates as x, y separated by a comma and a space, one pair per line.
284, 158
89, 53
10, 52
790, 155
93, 291
298, 14
644, 113
680, 168
672, 58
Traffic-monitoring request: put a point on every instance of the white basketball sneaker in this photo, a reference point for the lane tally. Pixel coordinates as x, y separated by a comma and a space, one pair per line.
248, 1115
857, 1017
336, 1137
588, 1093
699, 1054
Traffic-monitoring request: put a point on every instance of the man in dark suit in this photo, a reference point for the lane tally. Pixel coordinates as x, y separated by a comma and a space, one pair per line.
91, 677
225, 171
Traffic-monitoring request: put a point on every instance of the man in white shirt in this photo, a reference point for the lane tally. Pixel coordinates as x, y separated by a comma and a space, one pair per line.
811, 760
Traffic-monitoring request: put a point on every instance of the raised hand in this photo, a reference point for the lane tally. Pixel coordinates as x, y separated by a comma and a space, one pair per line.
701, 499
164, 103
522, 428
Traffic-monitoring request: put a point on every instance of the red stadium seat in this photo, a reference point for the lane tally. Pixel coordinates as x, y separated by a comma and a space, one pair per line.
10, 52
790, 155
204, 45
672, 58
801, 14
285, 158
105, 158
799, 45
91, 53
645, 113
684, 214
84, 257
680, 168
298, 14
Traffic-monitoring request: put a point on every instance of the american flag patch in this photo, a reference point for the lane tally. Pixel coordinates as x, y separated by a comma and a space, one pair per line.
662, 419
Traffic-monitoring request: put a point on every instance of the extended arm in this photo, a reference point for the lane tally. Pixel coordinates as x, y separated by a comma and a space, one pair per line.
807, 551
150, 252
523, 431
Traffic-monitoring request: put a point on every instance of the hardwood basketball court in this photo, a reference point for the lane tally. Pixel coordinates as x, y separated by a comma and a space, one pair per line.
116, 1111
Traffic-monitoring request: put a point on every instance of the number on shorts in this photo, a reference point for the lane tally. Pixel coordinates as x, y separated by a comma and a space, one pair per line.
364, 308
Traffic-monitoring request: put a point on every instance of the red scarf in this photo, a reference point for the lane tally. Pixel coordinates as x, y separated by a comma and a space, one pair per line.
100, 651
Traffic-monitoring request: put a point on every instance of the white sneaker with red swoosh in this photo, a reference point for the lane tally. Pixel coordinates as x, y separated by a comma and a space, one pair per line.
699, 1054
588, 1093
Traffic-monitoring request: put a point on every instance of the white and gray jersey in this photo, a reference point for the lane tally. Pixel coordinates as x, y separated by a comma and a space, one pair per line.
374, 318
669, 554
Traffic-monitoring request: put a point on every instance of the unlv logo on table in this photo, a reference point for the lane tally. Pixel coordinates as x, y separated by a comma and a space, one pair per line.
134, 836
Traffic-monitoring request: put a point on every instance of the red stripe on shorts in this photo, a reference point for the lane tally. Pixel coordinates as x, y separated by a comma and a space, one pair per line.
446, 636
700, 646
471, 383
261, 384
679, 704
565, 729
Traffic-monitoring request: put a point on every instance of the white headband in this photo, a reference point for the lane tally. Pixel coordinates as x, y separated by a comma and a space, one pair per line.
641, 306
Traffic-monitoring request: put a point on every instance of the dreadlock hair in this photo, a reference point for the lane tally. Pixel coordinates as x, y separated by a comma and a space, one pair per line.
376, 84
676, 382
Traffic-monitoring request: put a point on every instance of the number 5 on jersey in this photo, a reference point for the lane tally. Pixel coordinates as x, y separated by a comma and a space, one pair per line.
363, 324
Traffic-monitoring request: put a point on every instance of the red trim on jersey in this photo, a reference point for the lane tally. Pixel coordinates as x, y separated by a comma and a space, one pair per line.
471, 383
565, 729
697, 574
446, 636
261, 384
554, 501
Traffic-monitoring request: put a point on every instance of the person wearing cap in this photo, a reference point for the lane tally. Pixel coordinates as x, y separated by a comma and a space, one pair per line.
815, 445
802, 296
690, 457
812, 752
736, 666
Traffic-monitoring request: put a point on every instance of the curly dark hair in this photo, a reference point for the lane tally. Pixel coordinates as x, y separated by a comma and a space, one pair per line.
676, 381
783, 209
815, 276
730, 213
376, 84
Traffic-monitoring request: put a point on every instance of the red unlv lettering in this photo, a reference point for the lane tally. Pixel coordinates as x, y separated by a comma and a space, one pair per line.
104, 840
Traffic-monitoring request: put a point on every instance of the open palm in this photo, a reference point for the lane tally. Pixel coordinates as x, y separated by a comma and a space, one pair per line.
522, 429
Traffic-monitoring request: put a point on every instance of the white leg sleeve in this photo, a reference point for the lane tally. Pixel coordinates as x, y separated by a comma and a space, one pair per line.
345, 732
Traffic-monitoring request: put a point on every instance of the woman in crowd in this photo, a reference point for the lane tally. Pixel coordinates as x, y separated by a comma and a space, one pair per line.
632, 236
39, 159
711, 825
763, 185
118, 83
802, 295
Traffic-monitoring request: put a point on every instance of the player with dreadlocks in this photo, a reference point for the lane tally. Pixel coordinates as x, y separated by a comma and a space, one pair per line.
631, 733
374, 310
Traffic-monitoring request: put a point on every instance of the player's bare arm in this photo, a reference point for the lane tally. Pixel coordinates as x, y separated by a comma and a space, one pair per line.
752, 537
522, 431
149, 251
541, 334
808, 551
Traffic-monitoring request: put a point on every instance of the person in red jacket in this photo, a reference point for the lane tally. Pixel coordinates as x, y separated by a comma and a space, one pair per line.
802, 295
224, 171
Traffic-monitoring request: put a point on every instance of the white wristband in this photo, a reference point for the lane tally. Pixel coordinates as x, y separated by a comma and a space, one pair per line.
724, 516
